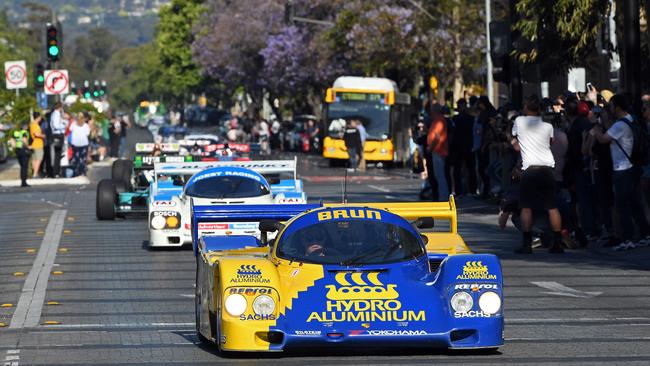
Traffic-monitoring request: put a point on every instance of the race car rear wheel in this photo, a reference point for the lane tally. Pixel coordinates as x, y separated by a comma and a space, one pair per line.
121, 172
106, 199
197, 308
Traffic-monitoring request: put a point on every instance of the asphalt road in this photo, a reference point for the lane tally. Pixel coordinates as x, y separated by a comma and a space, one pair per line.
79, 291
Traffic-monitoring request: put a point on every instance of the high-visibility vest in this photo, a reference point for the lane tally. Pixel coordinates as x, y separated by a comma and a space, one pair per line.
18, 136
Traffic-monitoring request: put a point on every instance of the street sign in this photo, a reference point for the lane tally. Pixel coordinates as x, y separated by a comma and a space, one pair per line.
56, 82
15, 74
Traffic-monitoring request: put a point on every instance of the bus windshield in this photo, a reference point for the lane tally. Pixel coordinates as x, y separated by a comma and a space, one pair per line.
374, 116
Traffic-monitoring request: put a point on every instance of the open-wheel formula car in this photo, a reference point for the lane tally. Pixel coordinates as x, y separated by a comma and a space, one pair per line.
218, 183
344, 276
127, 191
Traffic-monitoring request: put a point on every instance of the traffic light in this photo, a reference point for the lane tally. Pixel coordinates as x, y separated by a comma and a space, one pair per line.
103, 90
96, 89
288, 12
39, 77
73, 88
52, 43
86, 90
500, 48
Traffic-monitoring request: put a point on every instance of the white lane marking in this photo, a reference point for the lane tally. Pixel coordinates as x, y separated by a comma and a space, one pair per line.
561, 290
12, 358
378, 188
30, 304
81, 180
187, 295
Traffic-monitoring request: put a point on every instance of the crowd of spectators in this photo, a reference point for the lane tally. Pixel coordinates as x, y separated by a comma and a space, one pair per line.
590, 149
61, 144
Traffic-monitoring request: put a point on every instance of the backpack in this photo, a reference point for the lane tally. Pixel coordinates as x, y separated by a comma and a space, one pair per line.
641, 147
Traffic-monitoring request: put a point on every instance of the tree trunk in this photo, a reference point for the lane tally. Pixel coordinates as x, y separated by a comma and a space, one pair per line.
458, 72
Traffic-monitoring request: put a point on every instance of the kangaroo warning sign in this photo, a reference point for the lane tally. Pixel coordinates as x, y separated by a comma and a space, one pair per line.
56, 82
15, 74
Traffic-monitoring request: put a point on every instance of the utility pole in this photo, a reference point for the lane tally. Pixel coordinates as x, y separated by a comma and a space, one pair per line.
490, 77
632, 65
516, 89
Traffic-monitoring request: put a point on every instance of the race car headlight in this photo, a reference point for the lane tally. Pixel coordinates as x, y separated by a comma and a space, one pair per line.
263, 305
462, 302
158, 222
236, 304
490, 302
172, 222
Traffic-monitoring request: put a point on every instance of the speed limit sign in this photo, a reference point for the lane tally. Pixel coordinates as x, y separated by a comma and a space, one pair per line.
15, 74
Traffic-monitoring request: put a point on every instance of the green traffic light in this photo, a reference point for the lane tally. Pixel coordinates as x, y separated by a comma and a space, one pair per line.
87, 95
95, 93
40, 78
53, 50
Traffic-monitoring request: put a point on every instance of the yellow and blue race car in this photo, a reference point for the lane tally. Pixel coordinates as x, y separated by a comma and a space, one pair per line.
347, 276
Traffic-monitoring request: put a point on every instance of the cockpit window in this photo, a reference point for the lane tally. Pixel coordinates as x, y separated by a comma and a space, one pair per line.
227, 187
349, 242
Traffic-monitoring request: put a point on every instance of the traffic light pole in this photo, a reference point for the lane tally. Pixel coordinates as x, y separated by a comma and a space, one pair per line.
490, 77
632, 62
516, 88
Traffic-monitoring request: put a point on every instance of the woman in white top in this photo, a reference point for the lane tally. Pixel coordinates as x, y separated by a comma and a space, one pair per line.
79, 132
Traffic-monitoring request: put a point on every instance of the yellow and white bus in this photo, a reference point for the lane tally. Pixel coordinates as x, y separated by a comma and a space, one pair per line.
383, 110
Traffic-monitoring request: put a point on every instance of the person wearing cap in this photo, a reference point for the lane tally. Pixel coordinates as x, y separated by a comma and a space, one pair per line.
578, 168
19, 142
532, 137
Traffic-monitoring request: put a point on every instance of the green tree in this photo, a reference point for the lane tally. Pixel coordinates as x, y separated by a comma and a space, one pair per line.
91, 53
14, 45
173, 37
560, 33
134, 74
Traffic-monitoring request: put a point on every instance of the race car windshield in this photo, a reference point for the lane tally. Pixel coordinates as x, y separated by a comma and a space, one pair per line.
353, 242
227, 187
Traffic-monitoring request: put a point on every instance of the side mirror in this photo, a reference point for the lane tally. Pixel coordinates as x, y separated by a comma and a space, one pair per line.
268, 226
424, 223
425, 239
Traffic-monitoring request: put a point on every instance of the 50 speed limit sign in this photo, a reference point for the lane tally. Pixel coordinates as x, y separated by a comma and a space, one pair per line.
15, 74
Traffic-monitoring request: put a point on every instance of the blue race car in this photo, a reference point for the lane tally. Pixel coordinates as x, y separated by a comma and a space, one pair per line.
344, 276
219, 183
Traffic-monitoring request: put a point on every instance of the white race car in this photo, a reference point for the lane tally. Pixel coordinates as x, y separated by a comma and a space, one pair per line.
177, 186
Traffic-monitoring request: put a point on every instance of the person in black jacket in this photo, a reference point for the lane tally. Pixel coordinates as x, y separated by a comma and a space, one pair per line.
352, 139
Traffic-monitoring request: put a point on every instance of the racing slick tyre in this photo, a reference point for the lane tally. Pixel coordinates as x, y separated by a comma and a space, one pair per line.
121, 172
197, 309
106, 198
120, 186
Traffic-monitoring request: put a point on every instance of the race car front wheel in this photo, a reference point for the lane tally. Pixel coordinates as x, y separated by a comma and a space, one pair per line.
121, 172
198, 307
106, 199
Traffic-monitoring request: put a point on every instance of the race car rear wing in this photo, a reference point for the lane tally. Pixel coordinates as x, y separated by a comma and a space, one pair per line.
149, 147
415, 210
202, 215
147, 161
260, 166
